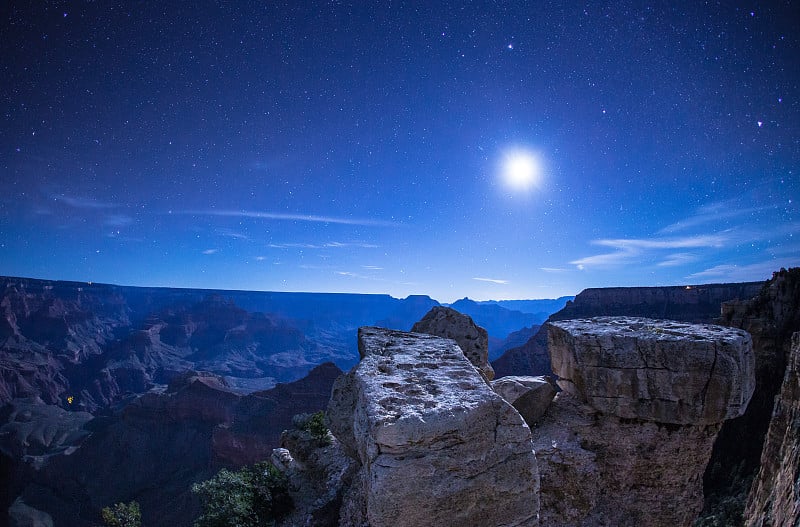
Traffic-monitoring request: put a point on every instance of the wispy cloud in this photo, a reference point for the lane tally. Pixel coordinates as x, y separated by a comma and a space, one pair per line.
329, 245
210, 251
674, 260
552, 269
628, 249
230, 233
713, 213
372, 267
118, 220
82, 203
742, 273
289, 217
491, 280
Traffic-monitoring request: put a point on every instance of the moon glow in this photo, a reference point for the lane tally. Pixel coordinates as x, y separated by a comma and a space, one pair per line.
521, 170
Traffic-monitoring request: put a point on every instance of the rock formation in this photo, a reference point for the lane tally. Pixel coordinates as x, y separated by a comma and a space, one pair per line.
627, 441
435, 445
472, 339
771, 317
692, 303
775, 496
529, 395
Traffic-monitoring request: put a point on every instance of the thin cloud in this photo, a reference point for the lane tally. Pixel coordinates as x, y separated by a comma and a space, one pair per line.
329, 245
712, 213
742, 273
629, 249
491, 280
230, 233
210, 251
313, 218
83, 203
552, 269
674, 260
118, 220
372, 267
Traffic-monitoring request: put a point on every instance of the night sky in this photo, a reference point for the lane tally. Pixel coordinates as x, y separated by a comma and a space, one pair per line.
483, 149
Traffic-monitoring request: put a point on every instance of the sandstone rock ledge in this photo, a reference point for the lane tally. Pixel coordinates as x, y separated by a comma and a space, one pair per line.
627, 441
436, 445
657, 370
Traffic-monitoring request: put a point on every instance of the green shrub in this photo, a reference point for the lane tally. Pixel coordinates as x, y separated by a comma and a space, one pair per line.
250, 497
122, 515
314, 424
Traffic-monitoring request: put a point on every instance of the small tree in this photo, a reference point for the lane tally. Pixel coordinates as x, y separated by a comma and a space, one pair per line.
122, 515
315, 425
250, 497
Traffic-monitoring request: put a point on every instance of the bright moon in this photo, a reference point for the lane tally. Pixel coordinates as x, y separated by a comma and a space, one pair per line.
521, 170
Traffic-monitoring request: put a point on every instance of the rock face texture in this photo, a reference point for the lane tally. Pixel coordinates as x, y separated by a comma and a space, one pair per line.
655, 370
436, 445
771, 317
775, 496
693, 303
627, 441
472, 339
529, 395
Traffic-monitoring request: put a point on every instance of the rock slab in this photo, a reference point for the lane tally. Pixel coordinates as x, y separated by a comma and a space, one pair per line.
627, 441
471, 338
436, 445
656, 370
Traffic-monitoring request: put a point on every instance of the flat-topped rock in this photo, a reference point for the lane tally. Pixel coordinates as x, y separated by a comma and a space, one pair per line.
470, 337
655, 370
437, 446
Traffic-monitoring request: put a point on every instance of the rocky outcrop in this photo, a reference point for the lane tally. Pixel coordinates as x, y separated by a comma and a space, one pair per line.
775, 496
771, 317
691, 303
436, 446
529, 395
655, 370
472, 339
319, 474
627, 441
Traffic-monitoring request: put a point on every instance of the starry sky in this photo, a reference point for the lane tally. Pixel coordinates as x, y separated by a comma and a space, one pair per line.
494, 150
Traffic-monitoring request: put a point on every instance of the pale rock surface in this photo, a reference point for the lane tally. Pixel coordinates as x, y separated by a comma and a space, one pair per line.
775, 495
529, 395
471, 338
21, 514
657, 370
627, 441
436, 445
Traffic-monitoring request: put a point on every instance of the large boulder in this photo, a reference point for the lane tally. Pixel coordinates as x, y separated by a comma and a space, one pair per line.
658, 370
627, 441
436, 445
471, 338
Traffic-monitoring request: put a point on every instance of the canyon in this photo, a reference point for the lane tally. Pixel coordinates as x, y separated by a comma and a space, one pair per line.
194, 367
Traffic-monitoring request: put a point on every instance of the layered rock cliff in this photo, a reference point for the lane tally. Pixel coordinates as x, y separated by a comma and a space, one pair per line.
775, 496
771, 317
